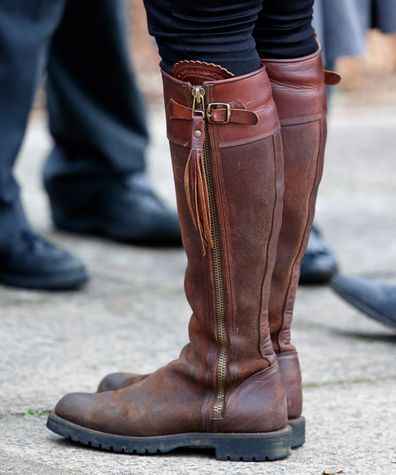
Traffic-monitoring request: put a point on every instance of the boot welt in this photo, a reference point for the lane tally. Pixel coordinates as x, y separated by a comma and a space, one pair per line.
248, 447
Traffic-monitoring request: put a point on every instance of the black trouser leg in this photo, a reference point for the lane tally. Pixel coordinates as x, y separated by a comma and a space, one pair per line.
97, 118
284, 29
232, 34
216, 31
25, 29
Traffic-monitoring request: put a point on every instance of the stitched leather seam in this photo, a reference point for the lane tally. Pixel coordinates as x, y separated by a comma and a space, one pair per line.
274, 155
305, 234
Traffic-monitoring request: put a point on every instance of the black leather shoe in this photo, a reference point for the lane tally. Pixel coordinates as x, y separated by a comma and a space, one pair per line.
375, 299
30, 262
127, 210
319, 264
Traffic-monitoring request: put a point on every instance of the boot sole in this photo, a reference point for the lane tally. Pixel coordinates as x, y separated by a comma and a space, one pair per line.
247, 447
298, 432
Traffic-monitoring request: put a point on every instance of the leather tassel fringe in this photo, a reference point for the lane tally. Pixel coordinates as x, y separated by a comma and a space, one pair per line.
196, 189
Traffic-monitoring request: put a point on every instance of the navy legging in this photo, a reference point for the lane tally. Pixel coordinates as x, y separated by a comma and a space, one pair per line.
232, 33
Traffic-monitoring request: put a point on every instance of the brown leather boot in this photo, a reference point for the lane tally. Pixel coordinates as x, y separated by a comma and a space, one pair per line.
299, 93
225, 390
300, 97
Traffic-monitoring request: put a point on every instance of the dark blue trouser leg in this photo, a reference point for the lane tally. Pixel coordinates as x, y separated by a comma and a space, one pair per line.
25, 29
97, 117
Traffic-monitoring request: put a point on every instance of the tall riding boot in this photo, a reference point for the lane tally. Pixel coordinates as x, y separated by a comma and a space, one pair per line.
299, 93
225, 390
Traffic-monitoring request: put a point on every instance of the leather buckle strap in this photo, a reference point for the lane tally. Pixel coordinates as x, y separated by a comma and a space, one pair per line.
212, 117
219, 113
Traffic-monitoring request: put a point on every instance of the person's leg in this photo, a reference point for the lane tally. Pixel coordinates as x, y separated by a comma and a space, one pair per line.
217, 32
284, 29
96, 115
286, 43
25, 30
95, 174
224, 135
25, 27
303, 131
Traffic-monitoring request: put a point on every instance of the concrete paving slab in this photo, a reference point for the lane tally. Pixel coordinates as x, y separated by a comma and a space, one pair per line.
351, 428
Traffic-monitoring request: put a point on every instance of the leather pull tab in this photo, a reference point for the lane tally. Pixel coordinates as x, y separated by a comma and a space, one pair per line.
332, 78
196, 186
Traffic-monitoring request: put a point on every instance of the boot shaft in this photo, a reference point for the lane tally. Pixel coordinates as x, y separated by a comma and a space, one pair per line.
227, 160
299, 91
225, 389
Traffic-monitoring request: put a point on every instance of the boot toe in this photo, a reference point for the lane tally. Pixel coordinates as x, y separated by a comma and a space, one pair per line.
115, 381
76, 408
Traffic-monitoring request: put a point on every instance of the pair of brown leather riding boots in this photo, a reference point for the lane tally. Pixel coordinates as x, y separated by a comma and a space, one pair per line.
247, 155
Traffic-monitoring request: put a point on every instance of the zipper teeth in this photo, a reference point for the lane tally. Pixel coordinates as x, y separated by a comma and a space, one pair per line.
221, 373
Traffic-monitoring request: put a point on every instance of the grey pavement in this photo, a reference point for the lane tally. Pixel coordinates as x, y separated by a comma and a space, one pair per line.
133, 316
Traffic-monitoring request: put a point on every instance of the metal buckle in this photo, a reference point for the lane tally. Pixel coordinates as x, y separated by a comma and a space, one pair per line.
218, 104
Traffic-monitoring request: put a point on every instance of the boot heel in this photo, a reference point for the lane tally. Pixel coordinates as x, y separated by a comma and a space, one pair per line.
254, 447
298, 432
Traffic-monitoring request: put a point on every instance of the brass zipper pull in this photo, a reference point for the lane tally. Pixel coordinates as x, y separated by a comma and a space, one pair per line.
195, 181
198, 107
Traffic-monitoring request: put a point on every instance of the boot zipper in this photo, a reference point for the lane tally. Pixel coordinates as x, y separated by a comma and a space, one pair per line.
198, 93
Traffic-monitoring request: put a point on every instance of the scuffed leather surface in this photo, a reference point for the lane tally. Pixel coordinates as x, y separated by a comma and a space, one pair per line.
300, 96
290, 372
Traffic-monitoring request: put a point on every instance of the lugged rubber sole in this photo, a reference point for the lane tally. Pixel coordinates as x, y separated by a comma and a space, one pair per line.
248, 447
298, 432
